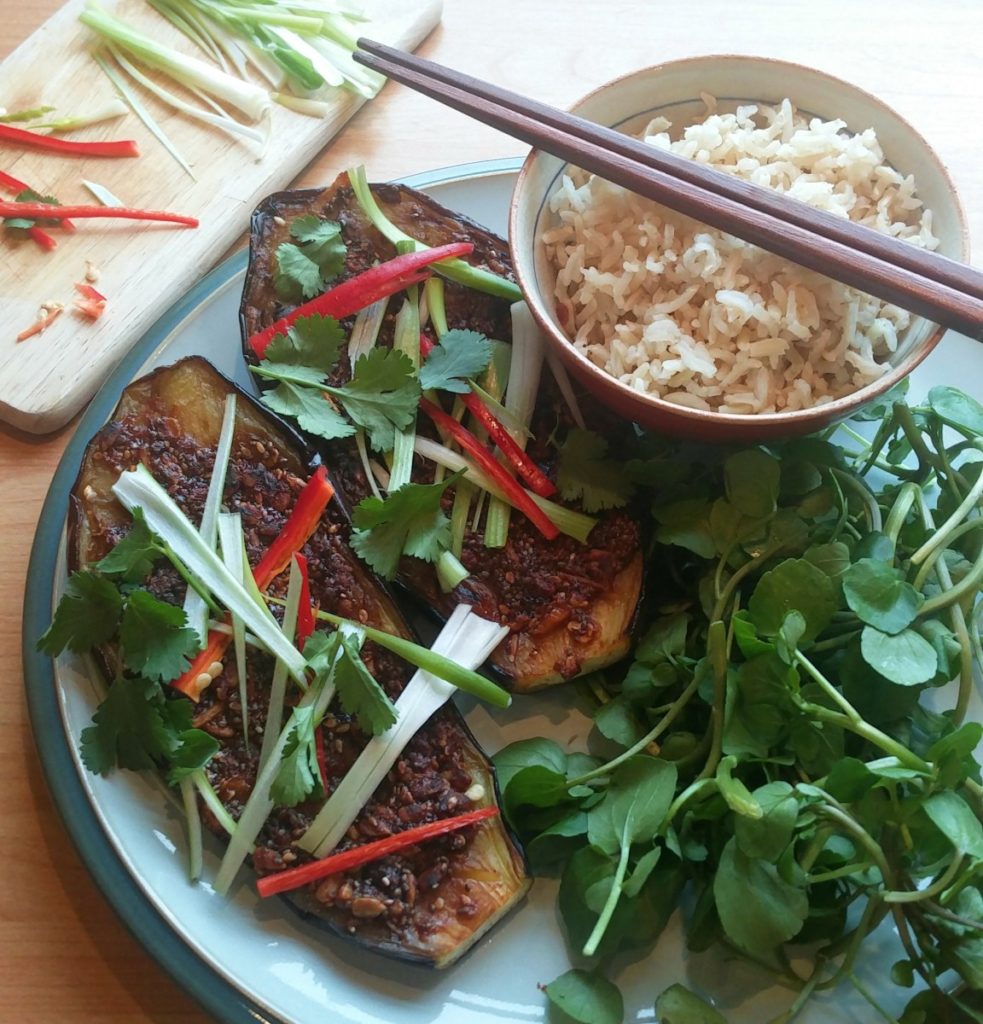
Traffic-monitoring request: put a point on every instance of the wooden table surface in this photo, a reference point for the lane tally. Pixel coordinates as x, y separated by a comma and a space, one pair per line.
63, 954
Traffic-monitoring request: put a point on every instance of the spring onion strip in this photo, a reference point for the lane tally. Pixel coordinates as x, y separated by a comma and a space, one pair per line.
365, 330
130, 97
114, 108
468, 640
194, 605
456, 270
194, 827
367, 467
323, 67
363, 81
188, 28
567, 520
246, 97
463, 496
221, 121
212, 802
260, 803
450, 571
302, 105
562, 379
136, 488
434, 293
102, 194
406, 339
231, 540
263, 63
278, 686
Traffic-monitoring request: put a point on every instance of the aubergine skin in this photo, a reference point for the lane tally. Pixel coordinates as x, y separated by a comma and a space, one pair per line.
427, 904
570, 607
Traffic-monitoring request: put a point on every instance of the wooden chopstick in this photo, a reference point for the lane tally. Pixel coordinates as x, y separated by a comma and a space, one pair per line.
956, 301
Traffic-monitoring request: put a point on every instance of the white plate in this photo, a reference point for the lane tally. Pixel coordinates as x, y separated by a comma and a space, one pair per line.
252, 960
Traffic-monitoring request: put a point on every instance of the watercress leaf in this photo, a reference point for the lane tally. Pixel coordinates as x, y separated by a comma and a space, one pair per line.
955, 819
641, 872
585, 869
558, 841
962, 947
953, 754
832, 558
382, 395
957, 410
526, 754
817, 745
751, 479
758, 909
746, 635
535, 786
793, 585
359, 692
798, 478
664, 639
880, 409
729, 525
903, 973
686, 524
195, 748
763, 710
767, 837
849, 780
134, 556
877, 699
458, 355
906, 658
129, 728
310, 408
792, 630
588, 475
155, 638
677, 1005
635, 804
311, 341
588, 997
618, 722
87, 615
875, 546
409, 521
880, 595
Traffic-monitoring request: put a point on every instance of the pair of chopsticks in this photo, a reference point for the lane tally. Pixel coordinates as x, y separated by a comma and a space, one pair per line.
934, 286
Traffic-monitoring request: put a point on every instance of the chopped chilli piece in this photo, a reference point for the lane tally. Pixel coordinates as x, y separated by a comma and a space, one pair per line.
347, 860
42, 238
92, 308
42, 324
88, 292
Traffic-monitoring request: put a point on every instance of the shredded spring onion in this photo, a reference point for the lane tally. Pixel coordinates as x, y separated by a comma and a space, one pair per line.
406, 339
231, 540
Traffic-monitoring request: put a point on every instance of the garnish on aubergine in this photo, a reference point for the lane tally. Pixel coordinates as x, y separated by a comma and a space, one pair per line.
570, 607
427, 904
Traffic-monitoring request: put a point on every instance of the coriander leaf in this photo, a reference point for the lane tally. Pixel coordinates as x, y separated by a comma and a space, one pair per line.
195, 749
299, 773
130, 728
134, 556
297, 275
588, 997
907, 658
30, 196
359, 693
677, 1005
382, 395
752, 478
86, 616
458, 355
409, 521
880, 596
321, 650
311, 341
587, 475
758, 909
303, 270
155, 638
310, 408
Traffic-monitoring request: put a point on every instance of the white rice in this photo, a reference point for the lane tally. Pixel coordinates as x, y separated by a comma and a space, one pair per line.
677, 309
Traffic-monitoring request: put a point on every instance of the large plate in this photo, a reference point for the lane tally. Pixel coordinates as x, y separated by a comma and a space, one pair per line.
247, 961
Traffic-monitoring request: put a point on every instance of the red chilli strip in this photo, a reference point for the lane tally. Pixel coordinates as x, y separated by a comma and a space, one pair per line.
46, 211
13, 184
42, 238
493, 468
537, 480
347, 860
39, 235
305, 610
357, 292
67, 147
302, 523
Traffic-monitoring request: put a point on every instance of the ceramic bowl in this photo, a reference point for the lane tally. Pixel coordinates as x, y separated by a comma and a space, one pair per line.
673, 90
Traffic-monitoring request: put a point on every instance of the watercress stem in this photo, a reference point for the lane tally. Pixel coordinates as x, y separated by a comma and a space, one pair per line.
717, 656
590, 947
871, 507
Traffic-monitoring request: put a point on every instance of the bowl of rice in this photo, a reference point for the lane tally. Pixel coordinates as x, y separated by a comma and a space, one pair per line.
686, 329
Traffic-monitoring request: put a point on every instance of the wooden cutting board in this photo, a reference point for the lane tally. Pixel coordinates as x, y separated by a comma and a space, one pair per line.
144, 269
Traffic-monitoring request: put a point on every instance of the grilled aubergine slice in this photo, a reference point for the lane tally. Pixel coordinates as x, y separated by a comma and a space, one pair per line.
428, 904
569, 606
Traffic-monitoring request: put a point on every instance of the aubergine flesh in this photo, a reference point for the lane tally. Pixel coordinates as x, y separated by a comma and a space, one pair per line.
426, 904
570, 607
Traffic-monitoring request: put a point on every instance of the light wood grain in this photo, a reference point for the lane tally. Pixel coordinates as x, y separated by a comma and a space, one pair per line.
63, 956
45, 381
